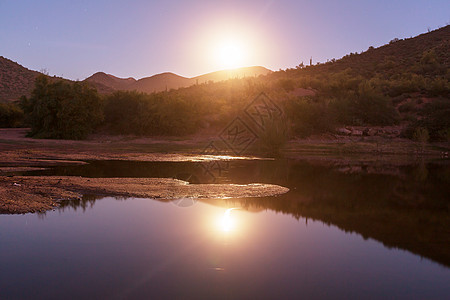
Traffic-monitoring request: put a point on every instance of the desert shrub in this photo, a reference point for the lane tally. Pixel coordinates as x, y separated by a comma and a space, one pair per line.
409, 117
11, 115
438, 87
176, 113
341, 83
178, 116
397, 100
434, 119
421, 135
429, 63
402, 86
286, 84
130, 113
309, 115
407, 107
274, 136
62, 110
366, 106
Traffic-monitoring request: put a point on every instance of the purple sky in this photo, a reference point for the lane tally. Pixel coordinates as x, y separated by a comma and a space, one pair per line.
75, 39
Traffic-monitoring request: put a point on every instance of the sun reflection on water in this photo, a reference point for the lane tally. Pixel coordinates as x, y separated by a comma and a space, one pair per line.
227, 223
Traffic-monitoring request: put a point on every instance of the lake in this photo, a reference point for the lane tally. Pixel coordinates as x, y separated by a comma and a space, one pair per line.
353, 230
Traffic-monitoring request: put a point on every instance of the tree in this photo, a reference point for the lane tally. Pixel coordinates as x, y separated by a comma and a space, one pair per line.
62, 110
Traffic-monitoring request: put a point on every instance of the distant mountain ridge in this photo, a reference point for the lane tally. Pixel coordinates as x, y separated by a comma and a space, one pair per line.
166, 81
394, 57
16, 80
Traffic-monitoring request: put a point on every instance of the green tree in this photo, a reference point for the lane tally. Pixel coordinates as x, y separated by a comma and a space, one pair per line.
62, 110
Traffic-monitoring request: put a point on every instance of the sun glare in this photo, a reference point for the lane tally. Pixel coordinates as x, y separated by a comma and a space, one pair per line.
227, 222
230, 54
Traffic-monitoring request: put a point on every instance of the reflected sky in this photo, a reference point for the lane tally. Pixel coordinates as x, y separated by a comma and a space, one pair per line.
141, 248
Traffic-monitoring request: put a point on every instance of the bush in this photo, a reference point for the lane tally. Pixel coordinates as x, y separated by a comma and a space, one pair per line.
407, 107
130, 113
156, 114
11, 115
367, 106
421, 135
309, 116
274, 136
286, 84
434, 119
62, 110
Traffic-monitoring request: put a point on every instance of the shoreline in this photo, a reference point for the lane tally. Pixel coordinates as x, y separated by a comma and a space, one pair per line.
22, 194
29, 194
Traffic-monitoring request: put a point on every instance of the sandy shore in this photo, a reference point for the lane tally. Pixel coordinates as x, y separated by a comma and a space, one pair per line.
22, 194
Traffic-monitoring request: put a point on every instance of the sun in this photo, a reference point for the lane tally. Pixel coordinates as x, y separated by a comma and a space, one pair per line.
230, 54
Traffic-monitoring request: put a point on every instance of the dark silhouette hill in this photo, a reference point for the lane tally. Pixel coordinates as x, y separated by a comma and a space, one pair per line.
161, 82
166, 81
111, 81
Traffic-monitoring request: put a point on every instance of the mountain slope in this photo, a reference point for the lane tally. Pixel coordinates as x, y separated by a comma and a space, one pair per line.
233, 73
398, 56
15, 80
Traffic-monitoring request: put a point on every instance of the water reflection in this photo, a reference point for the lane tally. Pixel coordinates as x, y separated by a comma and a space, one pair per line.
227, 223
403, 206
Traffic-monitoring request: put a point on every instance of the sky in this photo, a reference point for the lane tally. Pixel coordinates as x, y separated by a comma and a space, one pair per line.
75, 39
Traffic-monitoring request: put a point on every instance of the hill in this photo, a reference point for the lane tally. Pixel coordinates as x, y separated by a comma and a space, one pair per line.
106, 83
400, 55
111, 81
231, 74
15, 80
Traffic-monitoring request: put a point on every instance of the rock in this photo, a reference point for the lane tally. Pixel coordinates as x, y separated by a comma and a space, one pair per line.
343, 131
356, 132
366, 131
370, 131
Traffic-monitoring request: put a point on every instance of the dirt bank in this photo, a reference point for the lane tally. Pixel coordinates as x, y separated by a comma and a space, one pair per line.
21, 194
17, 152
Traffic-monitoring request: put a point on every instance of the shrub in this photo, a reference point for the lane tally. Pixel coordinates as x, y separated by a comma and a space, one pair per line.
130, 113
421, 135
274, 136
156, 114
286, 84
366, 106
434, 119
309, 115
11, 115
407, 107
62, 110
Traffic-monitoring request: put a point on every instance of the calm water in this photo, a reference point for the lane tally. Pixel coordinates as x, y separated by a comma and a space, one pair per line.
343, 231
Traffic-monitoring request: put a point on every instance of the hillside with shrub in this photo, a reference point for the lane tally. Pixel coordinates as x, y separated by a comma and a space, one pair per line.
404, 84
15, 80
